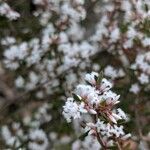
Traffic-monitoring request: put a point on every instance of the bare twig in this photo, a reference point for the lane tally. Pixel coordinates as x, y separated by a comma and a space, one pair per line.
119, 146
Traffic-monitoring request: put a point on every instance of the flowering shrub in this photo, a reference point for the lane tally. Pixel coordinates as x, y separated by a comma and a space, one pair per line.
47, 46
98, 102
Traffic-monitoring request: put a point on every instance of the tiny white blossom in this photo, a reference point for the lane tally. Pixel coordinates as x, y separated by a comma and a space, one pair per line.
71, 110
19, 82
35, 136
91, 77
135, 88
143, 78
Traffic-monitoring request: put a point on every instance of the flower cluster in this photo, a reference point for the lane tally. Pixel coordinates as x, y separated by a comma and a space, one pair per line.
142, 65
141, 69
49, 46
117, 35
51, 56
28, 130
88, 144
98, 102
6, 11
113, 73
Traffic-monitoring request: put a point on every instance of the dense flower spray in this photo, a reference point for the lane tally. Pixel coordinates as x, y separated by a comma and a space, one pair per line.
47, 46
96, 100
6, 11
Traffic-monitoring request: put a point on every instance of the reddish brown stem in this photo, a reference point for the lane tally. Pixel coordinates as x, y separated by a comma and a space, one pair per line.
98, 135
118, 145
99, 138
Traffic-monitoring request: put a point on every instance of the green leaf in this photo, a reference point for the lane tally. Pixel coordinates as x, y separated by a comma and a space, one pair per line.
100, 77
76, 97
113, 147
121, 121
95, 77
103, 102
89, 83
124, 27
81, 137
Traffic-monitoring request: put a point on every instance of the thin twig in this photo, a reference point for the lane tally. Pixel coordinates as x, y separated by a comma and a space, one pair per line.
98, 135
137, 119
99, 138
118, 145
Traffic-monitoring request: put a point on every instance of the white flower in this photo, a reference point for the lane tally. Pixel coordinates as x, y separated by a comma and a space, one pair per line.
33, 77
88, 93
126, 5
109, 130
84, 90
143, 78
8, 40
76, 145
19, 82
82, 108
128, 43
131, 33
111, 95
71, 110
113, 73
135, 88
8, 137
105, 85
110, 72
90, 77
89, 143
38, 139
16, 52
100, 125
127, 136
146, 41
121, 113
5, 10
118, 131
115, 35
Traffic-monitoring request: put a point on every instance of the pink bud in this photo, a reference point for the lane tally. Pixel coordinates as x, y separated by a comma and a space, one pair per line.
93, 112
